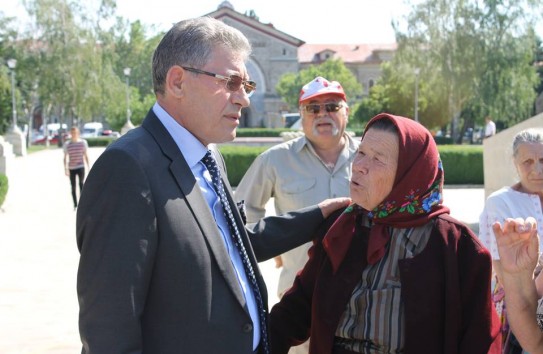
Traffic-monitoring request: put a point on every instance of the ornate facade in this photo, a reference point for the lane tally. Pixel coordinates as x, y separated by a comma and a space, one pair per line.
276, 53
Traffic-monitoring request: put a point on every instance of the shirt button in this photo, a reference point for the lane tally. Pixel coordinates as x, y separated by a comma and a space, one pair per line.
248, 327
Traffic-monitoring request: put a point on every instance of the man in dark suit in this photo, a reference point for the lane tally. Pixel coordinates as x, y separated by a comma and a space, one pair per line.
166, 264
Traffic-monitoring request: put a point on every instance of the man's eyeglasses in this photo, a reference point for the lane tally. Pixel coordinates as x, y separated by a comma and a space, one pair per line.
315, 108
233, 82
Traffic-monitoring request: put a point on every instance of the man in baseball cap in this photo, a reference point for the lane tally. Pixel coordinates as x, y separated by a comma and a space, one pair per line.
320, 86
303, 171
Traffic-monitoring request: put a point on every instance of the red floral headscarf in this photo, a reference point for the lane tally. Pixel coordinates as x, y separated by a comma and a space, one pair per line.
415, 199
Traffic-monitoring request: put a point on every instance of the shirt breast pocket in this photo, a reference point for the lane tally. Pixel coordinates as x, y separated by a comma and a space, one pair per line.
298, 186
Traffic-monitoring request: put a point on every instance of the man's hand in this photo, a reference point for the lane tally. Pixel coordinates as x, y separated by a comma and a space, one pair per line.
328, 206
518, 244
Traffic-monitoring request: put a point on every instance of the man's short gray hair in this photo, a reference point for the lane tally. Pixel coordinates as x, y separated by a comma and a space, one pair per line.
190, 43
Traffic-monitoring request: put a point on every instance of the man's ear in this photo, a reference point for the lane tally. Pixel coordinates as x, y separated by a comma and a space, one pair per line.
175, 81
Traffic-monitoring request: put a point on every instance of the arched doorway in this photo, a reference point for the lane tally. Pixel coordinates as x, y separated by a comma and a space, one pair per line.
253, 116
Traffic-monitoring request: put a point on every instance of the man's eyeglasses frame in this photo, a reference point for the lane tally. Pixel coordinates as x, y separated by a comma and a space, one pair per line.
315, 108
233, 82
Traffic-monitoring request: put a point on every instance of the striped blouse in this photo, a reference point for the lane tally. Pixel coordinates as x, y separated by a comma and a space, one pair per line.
76, 153
373, 320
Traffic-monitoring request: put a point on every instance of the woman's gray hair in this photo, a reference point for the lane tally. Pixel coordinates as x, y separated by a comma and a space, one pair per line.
384, 124
191, 42
531, 135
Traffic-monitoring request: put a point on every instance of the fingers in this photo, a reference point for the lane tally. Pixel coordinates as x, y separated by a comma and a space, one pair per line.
328, 206
517, 225
497, 228
529, 225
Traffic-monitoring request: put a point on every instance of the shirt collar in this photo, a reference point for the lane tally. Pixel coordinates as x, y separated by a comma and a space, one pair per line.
191, 148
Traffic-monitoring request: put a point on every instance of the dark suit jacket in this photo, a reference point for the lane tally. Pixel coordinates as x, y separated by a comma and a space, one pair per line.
154, 274
445, 292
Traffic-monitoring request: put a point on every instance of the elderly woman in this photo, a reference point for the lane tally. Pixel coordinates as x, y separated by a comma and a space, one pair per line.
518, 246
394, 273
521, 200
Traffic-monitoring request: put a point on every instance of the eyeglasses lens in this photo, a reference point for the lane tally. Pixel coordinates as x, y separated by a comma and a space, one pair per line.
234, 83
316, 108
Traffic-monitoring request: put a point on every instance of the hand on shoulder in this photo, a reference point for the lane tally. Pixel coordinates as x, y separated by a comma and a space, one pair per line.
328, 206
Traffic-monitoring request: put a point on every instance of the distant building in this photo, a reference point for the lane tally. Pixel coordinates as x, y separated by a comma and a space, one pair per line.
276, 53
364, 60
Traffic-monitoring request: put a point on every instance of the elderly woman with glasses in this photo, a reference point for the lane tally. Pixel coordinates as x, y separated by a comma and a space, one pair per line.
393, 273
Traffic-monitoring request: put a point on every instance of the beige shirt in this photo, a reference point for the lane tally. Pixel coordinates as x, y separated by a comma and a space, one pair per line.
294, 175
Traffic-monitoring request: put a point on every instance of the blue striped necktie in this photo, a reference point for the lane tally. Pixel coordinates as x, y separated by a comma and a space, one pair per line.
213, 169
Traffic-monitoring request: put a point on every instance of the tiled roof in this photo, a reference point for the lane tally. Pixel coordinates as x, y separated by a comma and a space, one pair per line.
349, 53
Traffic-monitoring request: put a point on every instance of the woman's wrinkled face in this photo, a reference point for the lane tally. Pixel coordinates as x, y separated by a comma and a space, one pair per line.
529, 163
374, 168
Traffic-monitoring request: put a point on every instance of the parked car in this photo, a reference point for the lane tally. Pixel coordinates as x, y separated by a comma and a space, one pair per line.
92, 130
473, 136
53, 139
290, 118
110, 133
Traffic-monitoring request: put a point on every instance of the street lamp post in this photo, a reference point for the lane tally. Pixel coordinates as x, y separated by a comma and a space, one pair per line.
417, 72
15, 136
12, 63
128, 125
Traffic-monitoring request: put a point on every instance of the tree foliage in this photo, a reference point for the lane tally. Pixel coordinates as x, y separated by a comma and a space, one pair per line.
290, 84
70, 64
475, 59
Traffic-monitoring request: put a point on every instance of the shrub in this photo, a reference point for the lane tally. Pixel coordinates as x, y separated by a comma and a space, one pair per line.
238, 159
3, 188
443, 140
463, 164
100, 141
260, 132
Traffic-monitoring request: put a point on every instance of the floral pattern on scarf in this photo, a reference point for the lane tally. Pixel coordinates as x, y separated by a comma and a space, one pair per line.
416, 196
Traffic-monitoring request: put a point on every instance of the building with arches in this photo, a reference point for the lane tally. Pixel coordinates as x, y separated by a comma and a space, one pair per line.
276, 53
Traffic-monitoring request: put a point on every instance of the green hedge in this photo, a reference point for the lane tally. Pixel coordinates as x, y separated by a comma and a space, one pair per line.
276, 132
443, 140
463, 164
3, 188
100, 141
238, 159
260, 132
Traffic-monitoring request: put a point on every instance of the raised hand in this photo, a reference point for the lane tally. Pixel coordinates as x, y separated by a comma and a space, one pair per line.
518, 244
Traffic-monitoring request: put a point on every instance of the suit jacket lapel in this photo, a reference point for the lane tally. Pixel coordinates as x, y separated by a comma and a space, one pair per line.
182, 174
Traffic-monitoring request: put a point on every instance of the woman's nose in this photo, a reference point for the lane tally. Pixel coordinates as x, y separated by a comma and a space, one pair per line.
360, 165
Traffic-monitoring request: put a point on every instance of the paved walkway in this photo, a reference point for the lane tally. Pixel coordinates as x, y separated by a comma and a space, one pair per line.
39, 258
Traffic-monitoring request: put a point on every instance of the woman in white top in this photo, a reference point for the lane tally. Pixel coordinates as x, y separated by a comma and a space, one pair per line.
521, 200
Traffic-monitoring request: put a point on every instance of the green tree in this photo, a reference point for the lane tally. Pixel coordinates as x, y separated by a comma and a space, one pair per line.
132, 49
290, 84
475, 58
8, 36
